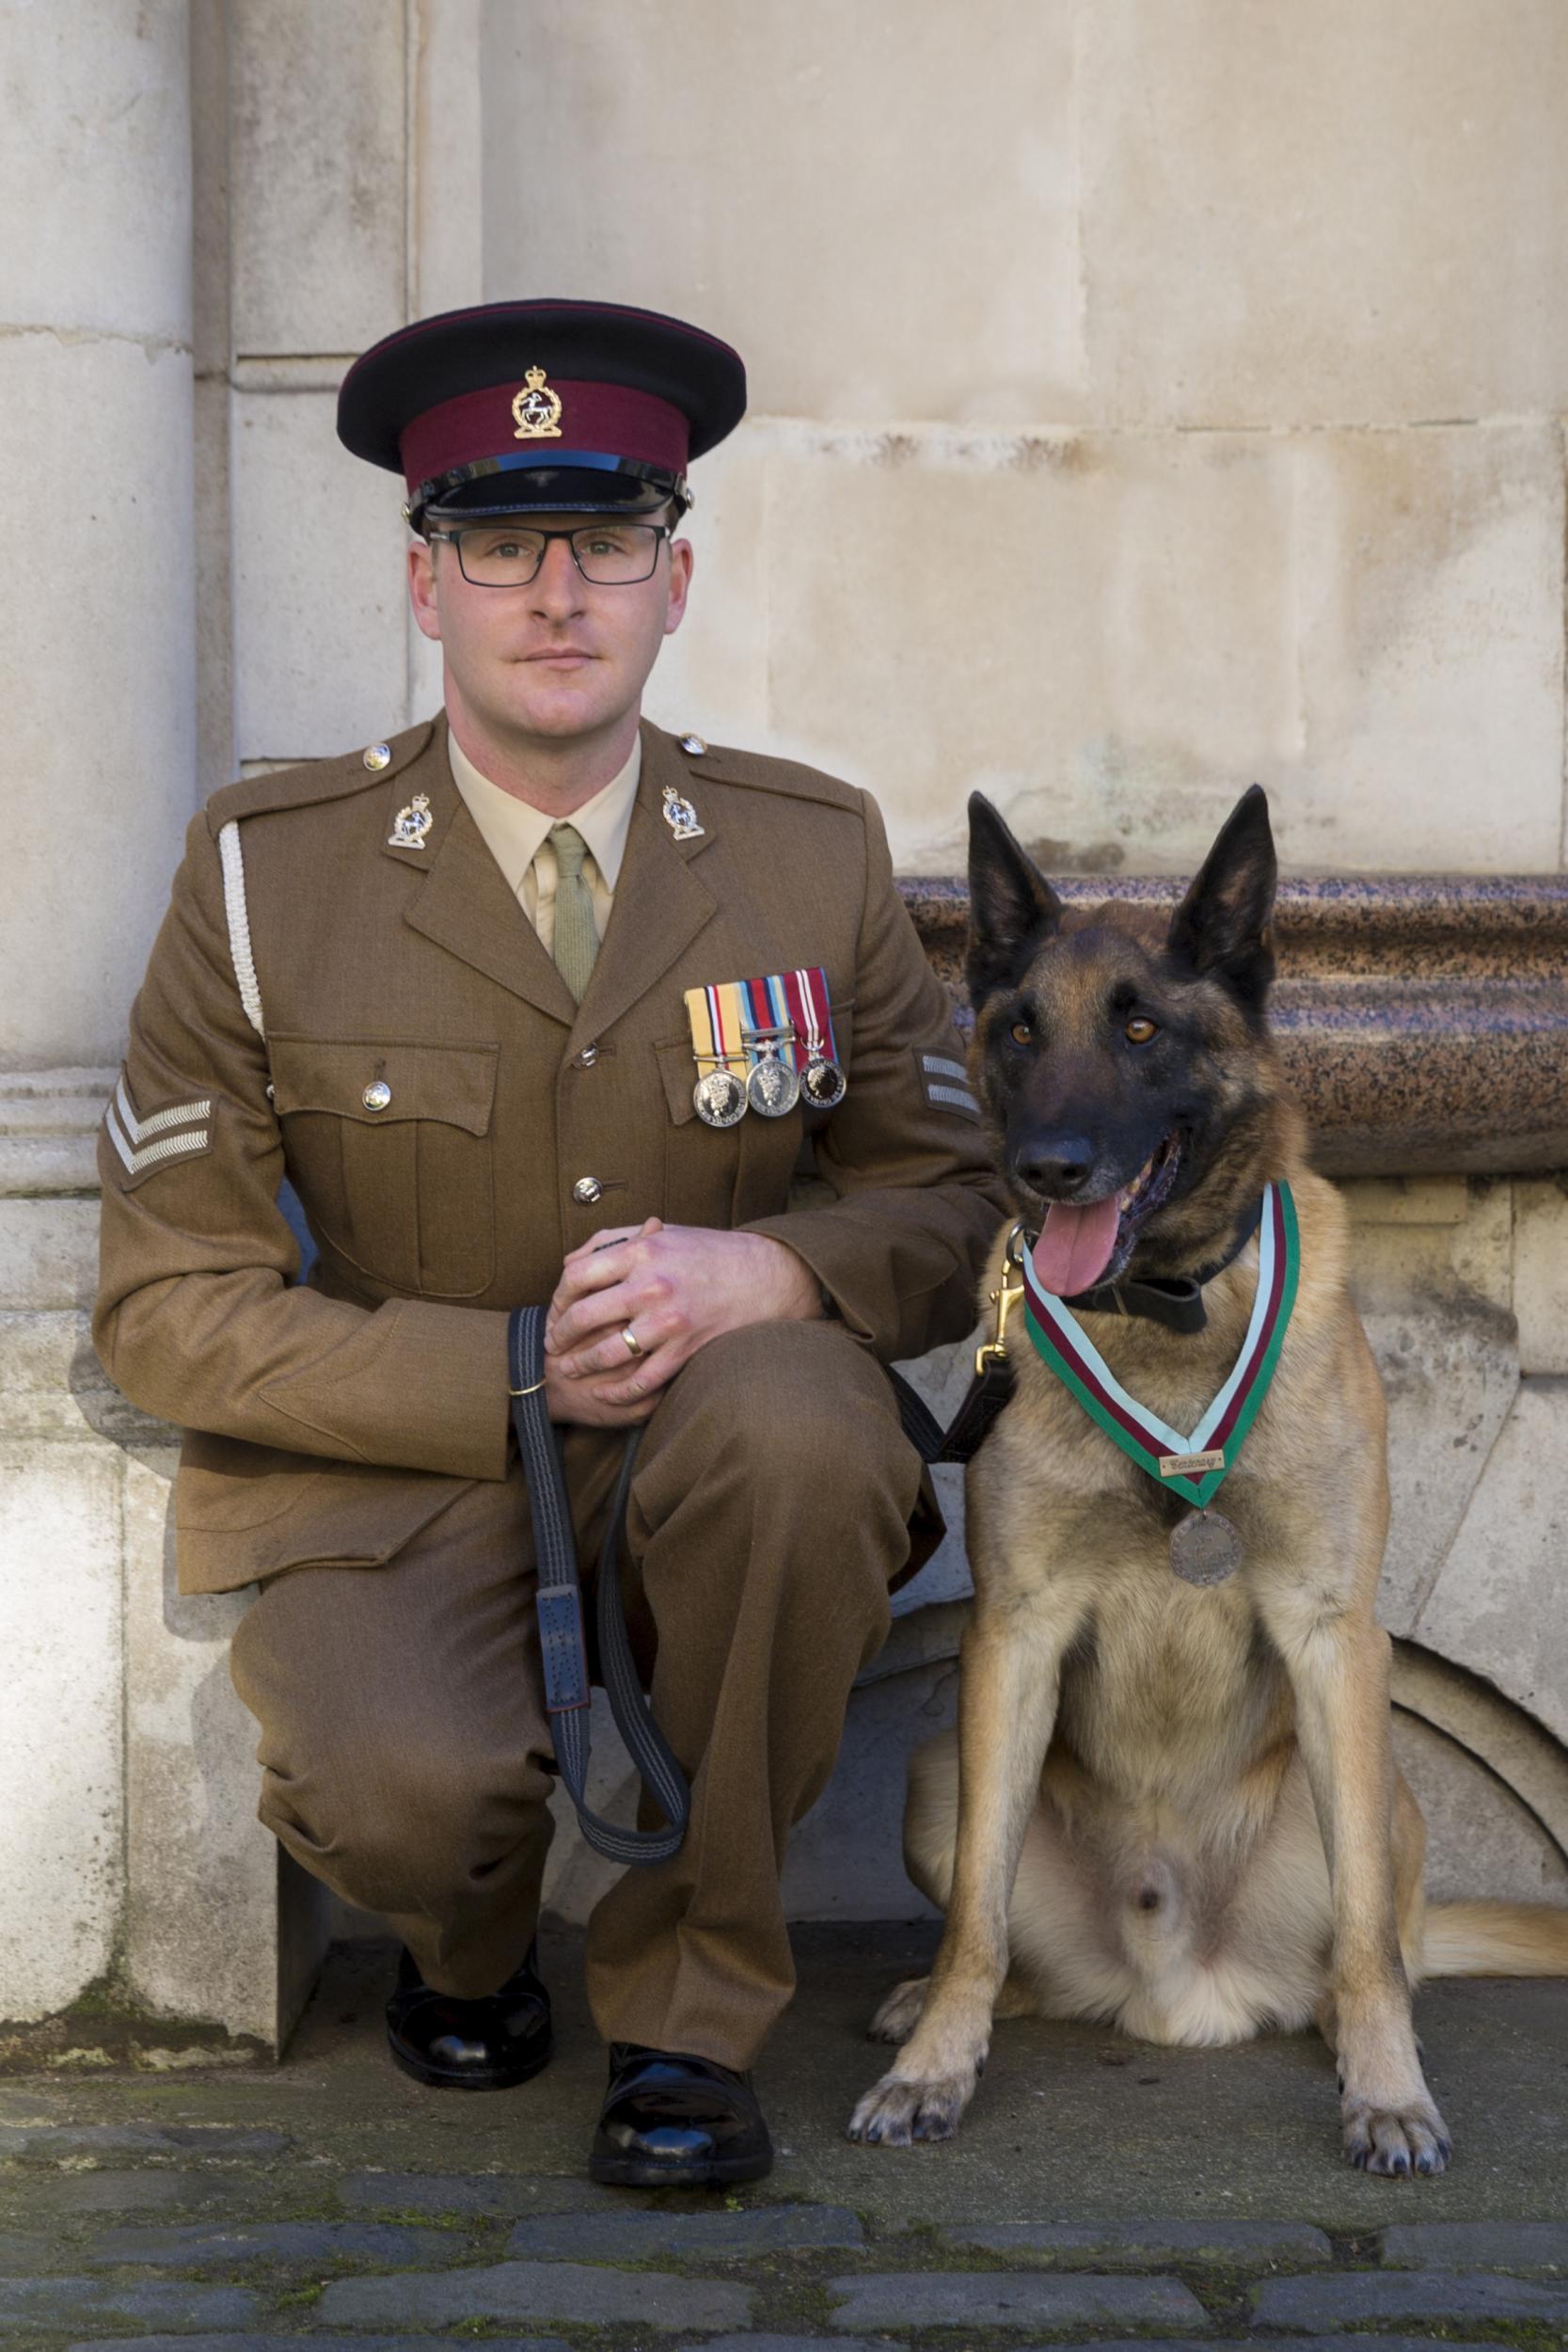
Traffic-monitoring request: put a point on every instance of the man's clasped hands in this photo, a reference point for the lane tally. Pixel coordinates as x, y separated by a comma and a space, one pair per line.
673, 1288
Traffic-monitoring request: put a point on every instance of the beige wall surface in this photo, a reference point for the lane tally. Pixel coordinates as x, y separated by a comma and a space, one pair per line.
1146, 396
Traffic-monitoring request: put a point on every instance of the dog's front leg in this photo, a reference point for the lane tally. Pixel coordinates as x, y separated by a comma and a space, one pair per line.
1009, 1680
1338, 1661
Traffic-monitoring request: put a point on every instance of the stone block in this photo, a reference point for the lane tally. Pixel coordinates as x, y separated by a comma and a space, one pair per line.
48, 1252
1541, 1277
319, 584
97, 680
96, 162
61, 1732
828, 221
998, 2299
712, 675
1327, 214
447, 164
1372, 2295
61, 2304
1232, 2243
201, 1924
318, 167
550, 2291
64, 2143
1540, 2246
200, 2245
630, 2236
1483, 1837
1495, 1607
1368, 625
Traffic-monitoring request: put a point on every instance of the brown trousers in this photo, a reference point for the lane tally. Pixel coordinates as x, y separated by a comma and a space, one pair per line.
404, 1741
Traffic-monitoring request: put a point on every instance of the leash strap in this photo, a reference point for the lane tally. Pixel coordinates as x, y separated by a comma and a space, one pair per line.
562, 1638
968, 1428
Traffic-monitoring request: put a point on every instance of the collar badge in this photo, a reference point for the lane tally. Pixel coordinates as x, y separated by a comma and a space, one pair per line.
536, 409
411, 824
680, 816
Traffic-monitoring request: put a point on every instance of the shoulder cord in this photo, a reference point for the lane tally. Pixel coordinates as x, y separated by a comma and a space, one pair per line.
567, 1691
239, 924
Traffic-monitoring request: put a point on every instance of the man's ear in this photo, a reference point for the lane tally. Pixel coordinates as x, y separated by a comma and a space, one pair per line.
1222, 925
1012, 908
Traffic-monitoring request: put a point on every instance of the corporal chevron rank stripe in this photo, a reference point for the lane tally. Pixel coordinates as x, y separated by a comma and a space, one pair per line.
178, 1133
1195, 1466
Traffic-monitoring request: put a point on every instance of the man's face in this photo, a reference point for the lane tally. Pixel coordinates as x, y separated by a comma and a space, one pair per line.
559, 657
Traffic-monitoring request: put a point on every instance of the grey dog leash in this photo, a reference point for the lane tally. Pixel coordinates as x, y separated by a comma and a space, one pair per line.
562, 1638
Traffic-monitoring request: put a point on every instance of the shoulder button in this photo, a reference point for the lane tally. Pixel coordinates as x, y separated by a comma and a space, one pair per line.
694, 745
378, 756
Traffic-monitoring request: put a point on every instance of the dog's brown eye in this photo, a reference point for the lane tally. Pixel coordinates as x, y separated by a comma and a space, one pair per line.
1140, 1029
1021, 1033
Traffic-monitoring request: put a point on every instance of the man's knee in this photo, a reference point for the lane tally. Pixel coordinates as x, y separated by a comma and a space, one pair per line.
403, 1825
796, 1404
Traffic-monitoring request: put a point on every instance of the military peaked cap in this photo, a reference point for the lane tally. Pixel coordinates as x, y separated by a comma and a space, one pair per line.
576, 405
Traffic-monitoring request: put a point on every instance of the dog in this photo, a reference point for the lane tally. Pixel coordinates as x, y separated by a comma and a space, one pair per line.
1172, 1807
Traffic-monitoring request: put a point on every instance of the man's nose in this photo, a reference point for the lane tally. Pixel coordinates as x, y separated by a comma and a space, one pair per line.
557, 584
1056, 1162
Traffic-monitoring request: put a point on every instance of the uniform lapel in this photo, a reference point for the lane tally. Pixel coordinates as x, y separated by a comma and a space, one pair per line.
464, 905
661, 902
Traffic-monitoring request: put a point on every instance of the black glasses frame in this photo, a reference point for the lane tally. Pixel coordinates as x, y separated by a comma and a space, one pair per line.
578, 531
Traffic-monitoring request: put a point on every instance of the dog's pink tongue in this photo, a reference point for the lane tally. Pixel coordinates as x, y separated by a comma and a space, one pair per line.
1075, 1245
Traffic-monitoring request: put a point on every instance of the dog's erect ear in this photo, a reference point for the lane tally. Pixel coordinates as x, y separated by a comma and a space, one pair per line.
1012, 908
1222, 925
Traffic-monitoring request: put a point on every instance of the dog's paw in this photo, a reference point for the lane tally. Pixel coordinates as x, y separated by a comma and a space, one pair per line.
899, 2014
1395, 2141
894, 2112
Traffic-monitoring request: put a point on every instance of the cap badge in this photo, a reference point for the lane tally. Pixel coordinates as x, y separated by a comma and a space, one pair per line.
680, 816
537, 409
411, 824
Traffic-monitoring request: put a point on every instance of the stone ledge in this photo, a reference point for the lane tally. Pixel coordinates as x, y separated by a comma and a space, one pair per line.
1423, 1018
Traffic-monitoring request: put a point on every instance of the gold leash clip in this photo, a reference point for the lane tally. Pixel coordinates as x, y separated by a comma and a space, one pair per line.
994, 1350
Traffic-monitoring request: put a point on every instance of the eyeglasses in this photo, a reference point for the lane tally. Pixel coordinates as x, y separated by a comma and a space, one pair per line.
607, 554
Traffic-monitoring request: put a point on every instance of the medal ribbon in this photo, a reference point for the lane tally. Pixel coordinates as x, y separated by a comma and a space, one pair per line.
805, 994
1061, 1344
716, 1016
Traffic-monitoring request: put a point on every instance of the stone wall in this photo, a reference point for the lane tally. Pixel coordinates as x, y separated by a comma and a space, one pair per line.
1148, 395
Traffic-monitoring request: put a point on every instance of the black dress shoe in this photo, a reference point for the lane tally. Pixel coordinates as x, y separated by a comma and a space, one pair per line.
487, 2044
673, 2121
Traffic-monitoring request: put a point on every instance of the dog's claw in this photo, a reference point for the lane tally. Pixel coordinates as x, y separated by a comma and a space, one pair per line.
1396, 2143
895, 2113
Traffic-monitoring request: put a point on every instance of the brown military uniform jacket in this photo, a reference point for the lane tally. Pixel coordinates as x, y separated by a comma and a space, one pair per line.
328, 1421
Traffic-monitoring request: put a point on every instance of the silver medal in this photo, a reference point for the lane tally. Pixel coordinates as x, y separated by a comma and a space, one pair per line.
718, 1098
1205, 1549
824, 1084
771, 1087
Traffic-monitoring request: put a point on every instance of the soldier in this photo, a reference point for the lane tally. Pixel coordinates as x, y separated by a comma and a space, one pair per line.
536, 1003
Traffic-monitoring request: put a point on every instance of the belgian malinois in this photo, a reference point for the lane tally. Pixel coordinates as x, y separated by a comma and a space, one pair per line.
1171, 1805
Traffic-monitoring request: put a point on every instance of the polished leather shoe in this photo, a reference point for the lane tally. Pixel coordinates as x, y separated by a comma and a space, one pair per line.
673, 2121
487, 2044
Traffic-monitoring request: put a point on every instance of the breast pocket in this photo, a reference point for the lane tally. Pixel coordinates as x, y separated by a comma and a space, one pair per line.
388, 1147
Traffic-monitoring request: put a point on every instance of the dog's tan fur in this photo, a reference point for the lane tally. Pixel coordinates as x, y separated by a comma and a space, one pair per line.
1175, 1809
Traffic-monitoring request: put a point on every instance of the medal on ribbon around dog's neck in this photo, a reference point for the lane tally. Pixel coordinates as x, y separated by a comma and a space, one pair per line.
1205, 1548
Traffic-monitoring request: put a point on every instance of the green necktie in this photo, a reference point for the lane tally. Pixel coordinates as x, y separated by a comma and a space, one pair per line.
577, 934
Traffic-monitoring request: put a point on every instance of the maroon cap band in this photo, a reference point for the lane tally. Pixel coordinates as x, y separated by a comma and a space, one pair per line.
609, 419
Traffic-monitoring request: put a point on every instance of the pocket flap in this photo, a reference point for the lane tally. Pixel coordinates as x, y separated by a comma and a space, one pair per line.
379, 1083
244, 1512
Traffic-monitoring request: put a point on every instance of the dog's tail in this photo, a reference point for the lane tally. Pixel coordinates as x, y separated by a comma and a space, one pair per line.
1494, 1940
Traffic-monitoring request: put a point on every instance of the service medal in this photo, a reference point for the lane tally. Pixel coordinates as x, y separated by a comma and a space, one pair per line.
772, 1087
824, 1084
718, 1098
1205, 1548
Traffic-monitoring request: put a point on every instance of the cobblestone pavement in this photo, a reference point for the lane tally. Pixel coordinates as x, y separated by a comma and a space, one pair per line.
1102, 2191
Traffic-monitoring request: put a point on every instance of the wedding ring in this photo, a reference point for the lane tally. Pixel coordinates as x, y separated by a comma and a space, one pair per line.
631, 1339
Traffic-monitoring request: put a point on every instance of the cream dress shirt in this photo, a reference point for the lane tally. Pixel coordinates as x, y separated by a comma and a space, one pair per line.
516, 836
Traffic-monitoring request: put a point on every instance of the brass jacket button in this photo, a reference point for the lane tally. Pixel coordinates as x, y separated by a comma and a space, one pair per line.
586, 1191
588, 1056
378, 756
376, 1095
